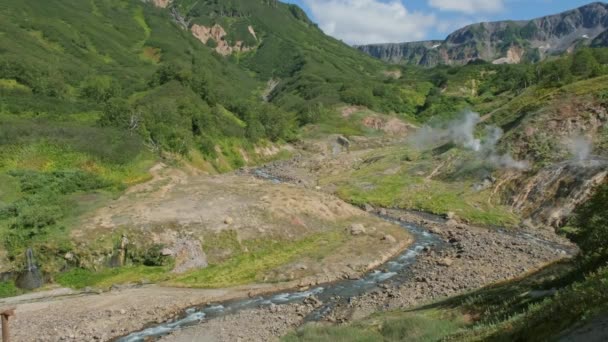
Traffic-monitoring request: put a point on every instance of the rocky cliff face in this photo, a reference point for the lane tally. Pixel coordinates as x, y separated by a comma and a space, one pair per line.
601, 40
505, 41
411, 53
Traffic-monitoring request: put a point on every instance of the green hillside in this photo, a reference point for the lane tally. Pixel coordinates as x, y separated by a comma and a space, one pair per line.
92, 93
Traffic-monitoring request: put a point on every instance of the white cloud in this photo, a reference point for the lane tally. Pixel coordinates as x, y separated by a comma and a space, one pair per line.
469, 6
370, 21
450, 25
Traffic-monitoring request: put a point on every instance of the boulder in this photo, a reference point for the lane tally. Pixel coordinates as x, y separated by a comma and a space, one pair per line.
166, 252
189, 255
356, 229
228, 220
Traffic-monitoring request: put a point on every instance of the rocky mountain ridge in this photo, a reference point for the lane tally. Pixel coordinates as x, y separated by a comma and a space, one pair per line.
505, 41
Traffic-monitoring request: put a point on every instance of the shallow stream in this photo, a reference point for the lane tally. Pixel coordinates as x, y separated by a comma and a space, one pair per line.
330, 294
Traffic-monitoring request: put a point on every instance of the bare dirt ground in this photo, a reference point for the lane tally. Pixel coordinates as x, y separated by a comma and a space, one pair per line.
175, 206
179, 204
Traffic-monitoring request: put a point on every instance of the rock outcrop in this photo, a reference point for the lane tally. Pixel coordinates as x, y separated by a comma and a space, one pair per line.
218, 35
505, 41
162, 3
554, 192
189, 255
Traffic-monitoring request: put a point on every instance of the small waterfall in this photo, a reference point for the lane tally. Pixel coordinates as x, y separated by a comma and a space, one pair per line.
31, 278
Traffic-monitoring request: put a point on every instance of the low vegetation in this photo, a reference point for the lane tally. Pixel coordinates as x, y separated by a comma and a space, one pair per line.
399, 177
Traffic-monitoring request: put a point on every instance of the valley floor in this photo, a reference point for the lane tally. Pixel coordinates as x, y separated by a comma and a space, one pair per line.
473, 257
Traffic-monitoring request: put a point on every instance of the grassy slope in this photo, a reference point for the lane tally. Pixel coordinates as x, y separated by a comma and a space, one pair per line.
398, 176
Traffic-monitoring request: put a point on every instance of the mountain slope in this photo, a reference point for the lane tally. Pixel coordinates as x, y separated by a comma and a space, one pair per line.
505, 41
106, 57
92, 93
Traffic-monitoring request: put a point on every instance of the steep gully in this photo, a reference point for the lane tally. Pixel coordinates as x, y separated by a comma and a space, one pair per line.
333, 295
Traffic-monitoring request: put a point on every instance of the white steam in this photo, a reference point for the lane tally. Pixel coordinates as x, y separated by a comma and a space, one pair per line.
580, 147
462, 132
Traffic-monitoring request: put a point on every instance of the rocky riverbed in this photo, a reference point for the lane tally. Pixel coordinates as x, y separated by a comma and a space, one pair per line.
473, 257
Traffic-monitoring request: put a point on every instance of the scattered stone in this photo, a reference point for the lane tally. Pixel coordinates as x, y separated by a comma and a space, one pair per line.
451, 223
313, 301
357, 229
69, 256
447, 262
166, 252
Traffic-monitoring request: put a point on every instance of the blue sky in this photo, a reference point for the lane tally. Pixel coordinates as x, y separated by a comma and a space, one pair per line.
380, 21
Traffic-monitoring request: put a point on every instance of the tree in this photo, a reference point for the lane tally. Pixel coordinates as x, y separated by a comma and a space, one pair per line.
556, 73
584, 64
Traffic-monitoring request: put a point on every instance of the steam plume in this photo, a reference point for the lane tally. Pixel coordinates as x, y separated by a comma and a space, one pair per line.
462, 132
580, 147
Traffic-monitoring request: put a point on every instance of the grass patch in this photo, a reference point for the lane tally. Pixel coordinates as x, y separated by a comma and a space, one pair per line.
8, 289
334, 333
79, 278
244, 268
151, 54
404, 187
416, 326
249, 262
